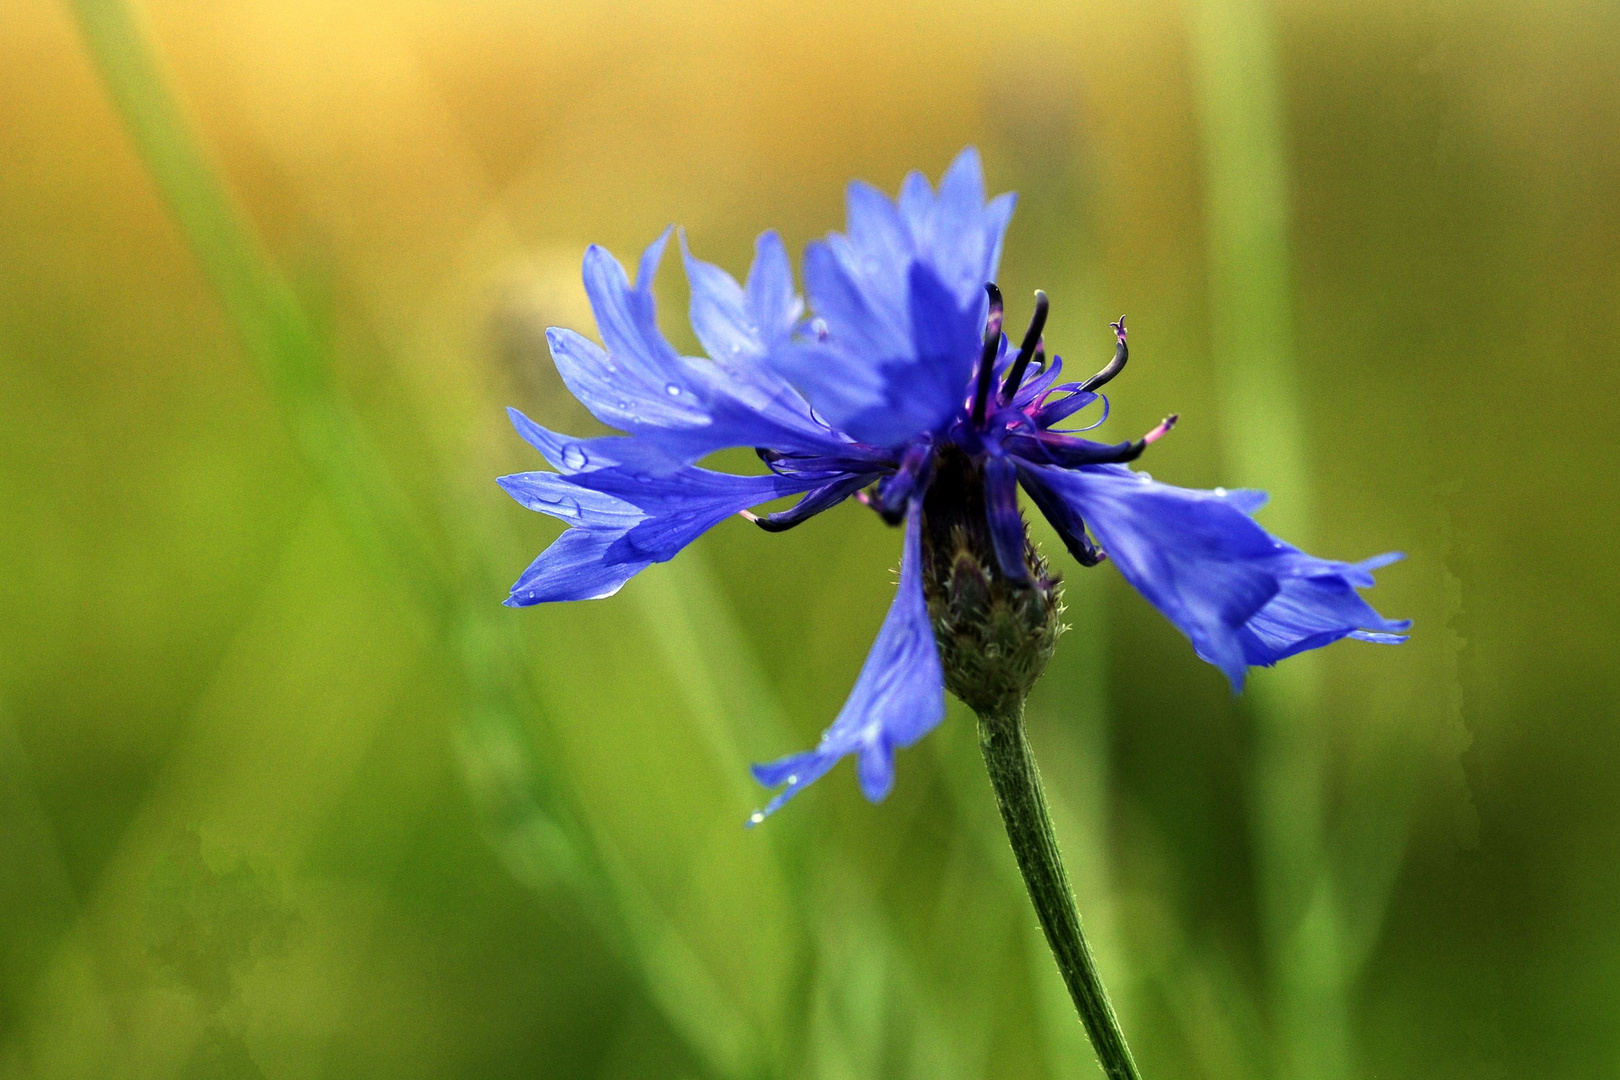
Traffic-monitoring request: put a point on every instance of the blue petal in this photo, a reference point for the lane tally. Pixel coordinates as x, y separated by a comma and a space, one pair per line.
623, 521
719, 312
956, 232
816, 500
923, 390
1309, 612
899, 299
898, 698
573, 568
619, 394
1240, 595
564, 453
863, 305
738, 325
682, 506
1001, 511
559, 496
678, 408
627, 317
774, 302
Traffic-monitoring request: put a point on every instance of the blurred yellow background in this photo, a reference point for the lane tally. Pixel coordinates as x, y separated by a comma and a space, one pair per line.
285, 793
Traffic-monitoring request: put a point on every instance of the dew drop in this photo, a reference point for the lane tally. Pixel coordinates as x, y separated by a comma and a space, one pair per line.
573, 457
756, 817
673, 390
794, 779
561, 505
1221, 492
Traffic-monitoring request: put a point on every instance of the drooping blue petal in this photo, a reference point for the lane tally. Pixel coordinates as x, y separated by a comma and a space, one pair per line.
1068, 451
898, 698
1001, 512
1240, 595
1315, 610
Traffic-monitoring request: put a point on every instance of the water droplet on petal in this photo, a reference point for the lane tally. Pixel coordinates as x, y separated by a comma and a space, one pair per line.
1221, 492
756, 817
794, 779
673, 390
573, 457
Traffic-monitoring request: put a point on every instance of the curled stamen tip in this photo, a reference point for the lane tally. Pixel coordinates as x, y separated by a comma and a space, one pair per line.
748, 515
1162, 430
864, 498
1119, 328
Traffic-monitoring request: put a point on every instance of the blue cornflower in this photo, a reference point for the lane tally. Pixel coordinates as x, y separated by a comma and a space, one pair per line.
903, 392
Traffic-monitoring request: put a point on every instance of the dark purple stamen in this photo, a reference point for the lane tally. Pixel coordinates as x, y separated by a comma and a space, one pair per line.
1032, 345
1049, 413
814, 502
987, 359
1071, 453
1116, 365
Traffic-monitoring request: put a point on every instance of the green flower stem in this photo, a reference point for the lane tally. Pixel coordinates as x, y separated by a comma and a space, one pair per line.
1017, 783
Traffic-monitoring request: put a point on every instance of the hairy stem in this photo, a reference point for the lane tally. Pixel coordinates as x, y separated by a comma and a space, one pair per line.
1017, 783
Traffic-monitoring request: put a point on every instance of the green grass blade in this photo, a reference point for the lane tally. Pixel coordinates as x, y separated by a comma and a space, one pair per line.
1263, 444
281, 341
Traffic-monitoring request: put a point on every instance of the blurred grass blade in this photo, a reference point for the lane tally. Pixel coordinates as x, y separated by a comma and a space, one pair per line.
280, 340
1263, 445
274, 330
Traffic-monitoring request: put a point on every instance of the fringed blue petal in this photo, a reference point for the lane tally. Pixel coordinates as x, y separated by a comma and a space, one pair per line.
899, 301
1240, 595
898, 698
679, 409
622, 521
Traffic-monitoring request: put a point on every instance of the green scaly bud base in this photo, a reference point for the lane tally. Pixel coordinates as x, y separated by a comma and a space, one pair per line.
995, 635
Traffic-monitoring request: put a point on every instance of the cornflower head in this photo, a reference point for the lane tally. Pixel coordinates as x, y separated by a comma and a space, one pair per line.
900, 389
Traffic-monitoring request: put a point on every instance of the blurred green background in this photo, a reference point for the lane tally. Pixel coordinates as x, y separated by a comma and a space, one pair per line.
285, 793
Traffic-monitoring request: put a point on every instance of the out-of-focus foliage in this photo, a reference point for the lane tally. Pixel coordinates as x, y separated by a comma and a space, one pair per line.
285, 793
